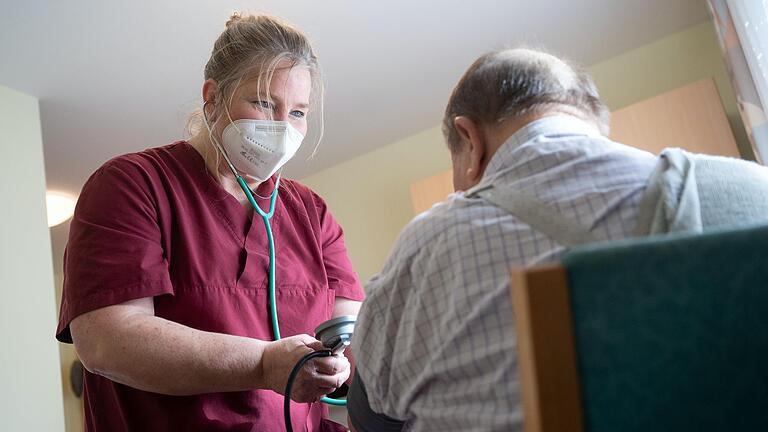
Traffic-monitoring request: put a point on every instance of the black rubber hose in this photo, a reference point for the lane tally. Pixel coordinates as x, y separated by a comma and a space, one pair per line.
289, 384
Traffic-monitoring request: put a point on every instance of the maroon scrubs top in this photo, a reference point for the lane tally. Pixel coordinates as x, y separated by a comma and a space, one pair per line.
157, 224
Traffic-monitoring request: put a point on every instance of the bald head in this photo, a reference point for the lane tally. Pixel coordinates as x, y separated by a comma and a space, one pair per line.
556, 69
519, 83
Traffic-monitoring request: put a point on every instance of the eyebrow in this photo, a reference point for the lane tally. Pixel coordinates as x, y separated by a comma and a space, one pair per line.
300, 105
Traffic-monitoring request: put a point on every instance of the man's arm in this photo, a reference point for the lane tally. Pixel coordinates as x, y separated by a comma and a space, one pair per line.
344, 306
128, 344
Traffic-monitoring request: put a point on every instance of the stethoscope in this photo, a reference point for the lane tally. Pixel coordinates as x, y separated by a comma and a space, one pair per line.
335, 333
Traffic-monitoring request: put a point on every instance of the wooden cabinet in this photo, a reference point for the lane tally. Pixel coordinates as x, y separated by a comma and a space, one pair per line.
426, 192
690, 117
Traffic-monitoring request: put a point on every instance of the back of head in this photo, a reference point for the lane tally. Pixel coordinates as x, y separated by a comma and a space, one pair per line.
517, 83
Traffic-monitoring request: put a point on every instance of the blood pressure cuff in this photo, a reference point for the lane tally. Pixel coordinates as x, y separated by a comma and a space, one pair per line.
362, 417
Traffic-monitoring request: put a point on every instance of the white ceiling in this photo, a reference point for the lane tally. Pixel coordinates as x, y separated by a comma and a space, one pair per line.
120, 76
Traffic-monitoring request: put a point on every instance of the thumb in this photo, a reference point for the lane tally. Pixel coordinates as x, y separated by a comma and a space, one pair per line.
315, 344
310, 342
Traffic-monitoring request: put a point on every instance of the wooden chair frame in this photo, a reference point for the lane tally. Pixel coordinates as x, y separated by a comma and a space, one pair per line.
546, 353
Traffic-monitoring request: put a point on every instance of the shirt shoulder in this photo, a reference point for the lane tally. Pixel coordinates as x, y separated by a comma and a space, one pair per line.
295, 191
152, 160
447, 219
146, 168
301, 199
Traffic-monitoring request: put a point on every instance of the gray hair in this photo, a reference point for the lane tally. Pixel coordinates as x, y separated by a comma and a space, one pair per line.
515, 83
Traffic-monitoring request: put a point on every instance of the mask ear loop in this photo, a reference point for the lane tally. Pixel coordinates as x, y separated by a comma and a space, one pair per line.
232, 168
216, 141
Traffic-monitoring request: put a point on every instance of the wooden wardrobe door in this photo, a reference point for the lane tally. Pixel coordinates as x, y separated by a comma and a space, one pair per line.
431, 190
690, 117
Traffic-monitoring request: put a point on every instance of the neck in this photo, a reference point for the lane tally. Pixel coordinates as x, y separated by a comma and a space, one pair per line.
500, 134
217, 166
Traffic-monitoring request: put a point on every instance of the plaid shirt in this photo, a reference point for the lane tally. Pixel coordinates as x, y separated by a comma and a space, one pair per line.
435, 340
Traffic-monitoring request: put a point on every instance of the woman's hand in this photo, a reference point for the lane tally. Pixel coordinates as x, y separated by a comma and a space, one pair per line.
317, 378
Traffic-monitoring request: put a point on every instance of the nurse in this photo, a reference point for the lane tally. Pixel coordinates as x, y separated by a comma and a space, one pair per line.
167, 269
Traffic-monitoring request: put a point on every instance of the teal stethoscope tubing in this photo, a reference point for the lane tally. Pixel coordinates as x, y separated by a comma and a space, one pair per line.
271, 291
265, 217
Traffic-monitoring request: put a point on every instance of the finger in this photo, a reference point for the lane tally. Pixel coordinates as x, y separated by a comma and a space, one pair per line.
311, 394
314, 344
328, 381
309, 387
327, 368
325, 390
306, 340
331, 365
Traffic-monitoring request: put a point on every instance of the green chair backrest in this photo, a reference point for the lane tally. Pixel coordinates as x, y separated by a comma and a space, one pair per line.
671, 332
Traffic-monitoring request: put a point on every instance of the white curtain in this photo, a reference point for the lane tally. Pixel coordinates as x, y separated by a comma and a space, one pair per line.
742, 28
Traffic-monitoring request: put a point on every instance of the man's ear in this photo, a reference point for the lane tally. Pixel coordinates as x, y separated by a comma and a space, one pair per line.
472, 134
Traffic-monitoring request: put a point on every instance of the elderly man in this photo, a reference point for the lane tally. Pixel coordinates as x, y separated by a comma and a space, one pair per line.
534, 173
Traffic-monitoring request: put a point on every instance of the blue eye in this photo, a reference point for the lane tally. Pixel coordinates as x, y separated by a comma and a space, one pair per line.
298, 114
263, 104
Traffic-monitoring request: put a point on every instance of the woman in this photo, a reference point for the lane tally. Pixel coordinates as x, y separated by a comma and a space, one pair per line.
167, 265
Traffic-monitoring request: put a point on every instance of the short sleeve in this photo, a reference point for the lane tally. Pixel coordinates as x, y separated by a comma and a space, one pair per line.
341, 275
115, 250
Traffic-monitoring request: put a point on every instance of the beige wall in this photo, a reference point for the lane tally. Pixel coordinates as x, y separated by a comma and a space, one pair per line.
370, 197
30, 381
73, 406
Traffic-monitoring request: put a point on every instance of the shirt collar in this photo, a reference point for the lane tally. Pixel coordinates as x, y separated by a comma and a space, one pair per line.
558, 125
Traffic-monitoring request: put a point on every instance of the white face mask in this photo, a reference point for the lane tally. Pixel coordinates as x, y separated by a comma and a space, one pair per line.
258, 148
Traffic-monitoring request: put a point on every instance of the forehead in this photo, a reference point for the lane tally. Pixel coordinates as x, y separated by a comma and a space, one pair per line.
287, 83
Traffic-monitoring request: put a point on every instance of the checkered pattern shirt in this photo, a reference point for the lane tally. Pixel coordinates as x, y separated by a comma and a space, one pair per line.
435, 339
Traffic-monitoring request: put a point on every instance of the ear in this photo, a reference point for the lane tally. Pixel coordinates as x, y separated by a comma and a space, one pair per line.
472, 135
210, 88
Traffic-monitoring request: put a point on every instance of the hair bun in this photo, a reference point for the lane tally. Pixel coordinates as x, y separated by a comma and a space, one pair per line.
236, 16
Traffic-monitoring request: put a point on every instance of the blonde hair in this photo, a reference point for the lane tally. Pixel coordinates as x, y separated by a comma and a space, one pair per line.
252, 47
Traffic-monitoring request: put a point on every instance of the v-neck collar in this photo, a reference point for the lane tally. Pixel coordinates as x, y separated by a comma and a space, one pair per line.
238, 220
